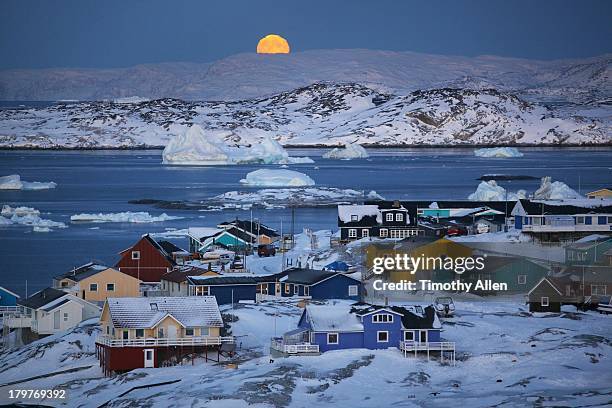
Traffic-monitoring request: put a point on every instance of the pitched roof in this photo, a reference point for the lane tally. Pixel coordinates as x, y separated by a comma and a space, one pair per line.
358, 215
83, 272
198, 233
146, 312
3, 289
542, 208
309, 276
42, 298
222, 280
413, 317
253, 227
180, 274
169, 247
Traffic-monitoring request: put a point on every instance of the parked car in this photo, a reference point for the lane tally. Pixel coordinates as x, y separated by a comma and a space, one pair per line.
266, 250
445, 306
456, 231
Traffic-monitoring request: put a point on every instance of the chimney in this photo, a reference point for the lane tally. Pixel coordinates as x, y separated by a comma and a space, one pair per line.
386, 301
396, 204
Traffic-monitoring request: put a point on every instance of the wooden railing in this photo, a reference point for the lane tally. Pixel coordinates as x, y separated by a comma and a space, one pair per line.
8, 309
164, 341
431, 346
278, 345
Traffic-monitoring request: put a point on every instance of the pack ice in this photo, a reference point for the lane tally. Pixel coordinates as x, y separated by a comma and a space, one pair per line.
277, 178
499, 152
14, 182
195, 147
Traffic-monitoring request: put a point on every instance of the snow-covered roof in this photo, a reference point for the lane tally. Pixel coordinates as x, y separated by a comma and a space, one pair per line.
203, 232
146, 312
345, 212
336, 317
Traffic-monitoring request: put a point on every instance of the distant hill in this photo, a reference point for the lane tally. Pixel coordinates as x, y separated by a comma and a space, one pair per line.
318, 114
245, 76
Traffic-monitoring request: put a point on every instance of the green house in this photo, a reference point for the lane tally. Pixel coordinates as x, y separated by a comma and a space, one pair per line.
588, 253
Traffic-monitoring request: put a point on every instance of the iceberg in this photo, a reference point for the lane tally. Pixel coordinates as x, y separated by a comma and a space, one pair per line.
490, 191
350, 151
131, 99
27, 216
128, 216
277, 178
498, 152
554, 190
195, 147
14, 182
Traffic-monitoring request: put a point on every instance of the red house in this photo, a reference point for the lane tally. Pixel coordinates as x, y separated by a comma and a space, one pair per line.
149, 259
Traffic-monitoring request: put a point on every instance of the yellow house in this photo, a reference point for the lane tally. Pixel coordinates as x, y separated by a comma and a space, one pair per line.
95, 283
148, 331
174, 283
601, 193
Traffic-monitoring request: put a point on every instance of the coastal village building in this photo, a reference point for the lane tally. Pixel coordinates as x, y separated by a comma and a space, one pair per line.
234, 235
148, 259
148, 332
94, 283
552, 222
342, 326
8, 298
50, 311
175, 282
377, 219
601, 193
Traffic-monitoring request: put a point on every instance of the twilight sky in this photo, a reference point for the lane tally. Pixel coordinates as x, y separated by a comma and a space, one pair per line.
116, 33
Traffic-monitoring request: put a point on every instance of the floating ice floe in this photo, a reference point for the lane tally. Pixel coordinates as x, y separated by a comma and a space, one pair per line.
128, 216
14, 182
499, 152
195, 147
27, 216
277, 178
490, 191
350, 151
557, 190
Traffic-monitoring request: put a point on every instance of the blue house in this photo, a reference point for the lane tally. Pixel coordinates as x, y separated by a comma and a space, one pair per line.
303, 283
342, 326
337, 266
8, 298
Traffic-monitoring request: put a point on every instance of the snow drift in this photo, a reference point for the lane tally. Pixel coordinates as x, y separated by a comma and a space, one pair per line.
498, 152
277, 178
350, 151
14, 182
128, 216
195, 147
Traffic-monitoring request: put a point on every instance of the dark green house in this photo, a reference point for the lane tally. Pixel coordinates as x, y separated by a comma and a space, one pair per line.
589, 252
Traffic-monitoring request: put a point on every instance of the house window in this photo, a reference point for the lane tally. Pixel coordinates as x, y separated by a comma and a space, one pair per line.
383, 336
139, 333
204, 331
189, 332
160, 332
354, 217
66, 314
296, 289
382, 318
384, 232
408, 336
332, 338
287, 288
544, 301
389, 217
202, 290
93, 287
353, 290
306, 290
522, 279
365, 232
423, 336
609, 220
579, 220
125, 335
110, 287
598, 290
107, 330
352, 233
399, 217
135, 255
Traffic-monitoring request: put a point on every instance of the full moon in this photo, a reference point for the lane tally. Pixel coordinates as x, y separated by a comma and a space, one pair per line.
273, 44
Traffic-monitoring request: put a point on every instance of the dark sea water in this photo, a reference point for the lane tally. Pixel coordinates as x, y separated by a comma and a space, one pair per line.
104, 181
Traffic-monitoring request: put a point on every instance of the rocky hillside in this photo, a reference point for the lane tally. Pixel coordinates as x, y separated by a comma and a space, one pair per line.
318, 114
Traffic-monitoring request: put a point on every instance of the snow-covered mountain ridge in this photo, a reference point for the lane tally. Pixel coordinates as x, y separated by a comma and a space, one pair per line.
320, 114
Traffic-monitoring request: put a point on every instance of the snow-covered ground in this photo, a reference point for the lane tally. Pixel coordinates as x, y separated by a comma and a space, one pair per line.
505, 357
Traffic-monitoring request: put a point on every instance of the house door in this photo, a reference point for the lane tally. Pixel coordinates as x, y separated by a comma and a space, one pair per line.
423, 336
172, 332
277, 289
148, 358
83, 294
56, 320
